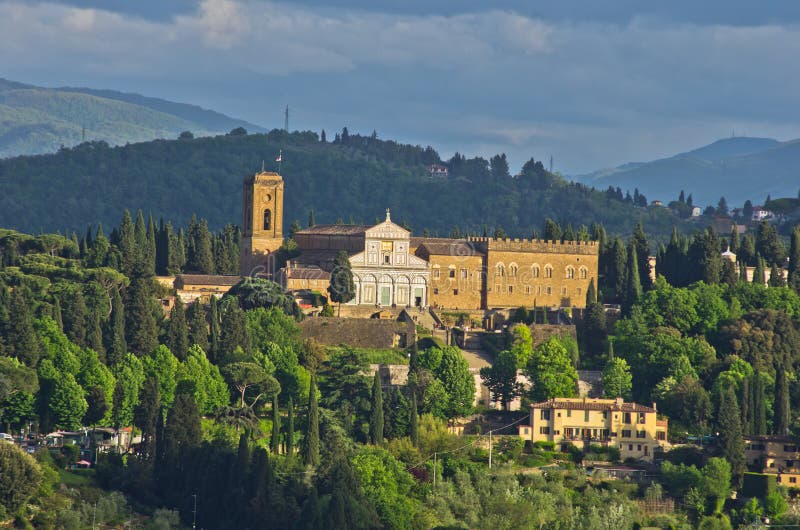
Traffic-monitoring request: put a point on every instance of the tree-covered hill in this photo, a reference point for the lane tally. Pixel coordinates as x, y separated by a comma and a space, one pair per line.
353, 178
37, 120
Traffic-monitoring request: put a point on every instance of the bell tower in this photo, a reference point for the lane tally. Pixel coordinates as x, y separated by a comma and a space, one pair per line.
262, 222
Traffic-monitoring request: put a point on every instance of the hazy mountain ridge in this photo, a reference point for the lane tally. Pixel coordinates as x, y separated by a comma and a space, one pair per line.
35, 120
738, 168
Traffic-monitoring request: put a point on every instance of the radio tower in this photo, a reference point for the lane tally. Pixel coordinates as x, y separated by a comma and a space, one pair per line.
551, 163
286, 119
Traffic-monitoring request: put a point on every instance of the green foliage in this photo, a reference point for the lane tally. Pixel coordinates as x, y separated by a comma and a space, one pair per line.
252, 293
342, 289
376, 425
501, 378
551, 371
457, 381
617, 380
20, 477
208, 387
388, 485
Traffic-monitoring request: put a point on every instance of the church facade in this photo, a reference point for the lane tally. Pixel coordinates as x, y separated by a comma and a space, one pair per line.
392, 268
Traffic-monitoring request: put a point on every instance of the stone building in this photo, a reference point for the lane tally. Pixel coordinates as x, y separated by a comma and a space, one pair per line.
392, 269
776, 455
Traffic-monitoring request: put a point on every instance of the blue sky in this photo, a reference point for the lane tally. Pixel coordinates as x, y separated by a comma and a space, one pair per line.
592, 84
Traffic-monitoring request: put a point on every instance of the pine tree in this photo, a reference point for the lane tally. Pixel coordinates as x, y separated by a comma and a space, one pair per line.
730, 434
198, 327
311, 440
177, 333
782, 415
413, 422
275, 439
116, 346
289, 437
141, 327
633, 287
376, 411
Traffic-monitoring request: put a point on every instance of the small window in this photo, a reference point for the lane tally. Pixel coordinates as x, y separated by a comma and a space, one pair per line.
549, 290
501, 271
512, 271
436, 272
544, 430
792, 480
583, 273
639, 447
544, 414
626, 433
641, 417
510, 289
626, 418
630, 447
267, 220
535, 271
661, 436
641, 434
563, 291
387, 259
570, 273
455, 292
435, 290
569, 413
463, 274
527, 289
451, 273
548, 272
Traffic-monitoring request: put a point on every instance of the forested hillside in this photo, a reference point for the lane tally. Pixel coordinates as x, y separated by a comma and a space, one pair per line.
40, 120
352, 178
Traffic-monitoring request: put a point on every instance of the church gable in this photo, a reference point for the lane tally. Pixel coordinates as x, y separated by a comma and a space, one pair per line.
387, 230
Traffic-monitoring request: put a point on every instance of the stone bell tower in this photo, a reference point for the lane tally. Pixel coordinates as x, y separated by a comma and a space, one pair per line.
262, 222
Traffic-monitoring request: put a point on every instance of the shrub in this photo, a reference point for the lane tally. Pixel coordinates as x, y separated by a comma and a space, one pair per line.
20, 477
547, 446
758, 485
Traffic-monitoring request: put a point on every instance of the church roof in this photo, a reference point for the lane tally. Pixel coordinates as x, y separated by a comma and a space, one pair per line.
449, 247
347, 230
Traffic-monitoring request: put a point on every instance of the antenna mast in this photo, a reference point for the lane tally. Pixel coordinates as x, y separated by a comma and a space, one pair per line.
551, 163
286, 119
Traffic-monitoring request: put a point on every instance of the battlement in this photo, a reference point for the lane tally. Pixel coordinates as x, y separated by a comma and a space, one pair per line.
263, 177
536, 245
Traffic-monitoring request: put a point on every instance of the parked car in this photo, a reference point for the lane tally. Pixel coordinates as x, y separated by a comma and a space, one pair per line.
4, 437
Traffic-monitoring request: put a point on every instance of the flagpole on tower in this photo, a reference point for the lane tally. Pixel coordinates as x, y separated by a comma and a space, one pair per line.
279, 160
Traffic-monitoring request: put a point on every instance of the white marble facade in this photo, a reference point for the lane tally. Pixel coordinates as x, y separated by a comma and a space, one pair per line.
386, 274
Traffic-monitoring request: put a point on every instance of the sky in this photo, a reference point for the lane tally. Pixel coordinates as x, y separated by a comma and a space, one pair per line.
590, 84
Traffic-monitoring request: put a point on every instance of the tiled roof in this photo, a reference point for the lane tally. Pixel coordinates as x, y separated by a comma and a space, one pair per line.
308, 273
334, 229
208, 279
591, 404
447, 247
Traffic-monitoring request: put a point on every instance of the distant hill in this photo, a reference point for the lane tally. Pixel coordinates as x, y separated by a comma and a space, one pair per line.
738, 168
36, 120
354, 179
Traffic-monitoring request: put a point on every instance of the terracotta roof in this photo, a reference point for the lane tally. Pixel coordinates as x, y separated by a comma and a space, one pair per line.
319, 257
207, 279
335, 229
308, 273
591, 404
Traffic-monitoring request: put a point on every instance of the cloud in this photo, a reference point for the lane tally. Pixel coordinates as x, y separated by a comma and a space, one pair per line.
592, 93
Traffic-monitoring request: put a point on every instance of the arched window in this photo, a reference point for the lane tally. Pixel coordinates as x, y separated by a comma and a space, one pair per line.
548, 271
267, 220
501, 271
583, 273
570, 273
512, 270
535, 271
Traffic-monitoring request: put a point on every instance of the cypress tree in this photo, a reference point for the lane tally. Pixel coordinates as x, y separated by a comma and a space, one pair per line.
747, 407
733, 246
275, 440
146, 416
201, 256
234, 331
140, 241
730, 434
311, 220
163, 248
759, 406
141, 327
639, 240
183, 428
311, 440
591, 294
781, 417
21, 339
289, 445
413, 361
75, 318
57, 314
794, 260
413, 422
198, 327
633, 287
742, 271
177, 336
376, 411
149, 255
116, 345
95, 338
617, 265
177, 252
758, 273
214, 328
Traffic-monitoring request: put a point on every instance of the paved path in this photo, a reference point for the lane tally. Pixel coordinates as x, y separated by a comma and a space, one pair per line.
477, 359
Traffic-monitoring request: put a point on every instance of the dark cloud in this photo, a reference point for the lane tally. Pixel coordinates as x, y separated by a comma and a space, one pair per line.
591, 85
